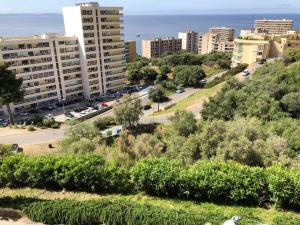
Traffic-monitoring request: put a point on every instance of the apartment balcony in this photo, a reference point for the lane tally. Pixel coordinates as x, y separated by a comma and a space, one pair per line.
113, 42
115, 81
115, 68
108, 35
114, 49
111, 22
122, 61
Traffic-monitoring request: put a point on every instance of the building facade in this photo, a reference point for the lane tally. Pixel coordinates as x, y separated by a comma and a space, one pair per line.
189, 41
102, 47
130, 51
158, 47
252, 49
216, 40
88, 61
49, 65
275, 27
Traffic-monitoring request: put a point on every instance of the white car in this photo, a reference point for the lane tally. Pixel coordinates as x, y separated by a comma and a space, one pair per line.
246, 73
49, 116
23, 113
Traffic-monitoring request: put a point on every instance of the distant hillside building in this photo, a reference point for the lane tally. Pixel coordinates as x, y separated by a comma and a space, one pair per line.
189, 41
276, 27
130, 51
251, 49
158, 47
216, 40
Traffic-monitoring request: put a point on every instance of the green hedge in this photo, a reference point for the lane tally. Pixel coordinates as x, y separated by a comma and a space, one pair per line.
205, 181
230, 73
284, 184
286, 220
73, 172
219, 182
114, 213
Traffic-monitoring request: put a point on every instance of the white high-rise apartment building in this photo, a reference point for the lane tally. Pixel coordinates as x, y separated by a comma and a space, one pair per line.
189, 41
275, 27
102, 49
49, 65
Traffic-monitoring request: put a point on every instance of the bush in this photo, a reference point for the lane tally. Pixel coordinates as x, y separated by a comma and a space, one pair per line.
286, 220
230, 73
104, 122
73, 172
31, 128
224, 182
114, 212
157, 176
219, 182
284, 186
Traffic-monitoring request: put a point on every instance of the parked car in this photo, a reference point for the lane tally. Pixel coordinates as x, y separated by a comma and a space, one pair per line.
95, 107
15, 148
23, 113
147, 107
262, 61
49, 116
104, 105
180, 90
246, 73
203, 81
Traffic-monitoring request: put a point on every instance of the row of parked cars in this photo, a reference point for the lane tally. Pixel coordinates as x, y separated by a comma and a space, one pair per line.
85, 110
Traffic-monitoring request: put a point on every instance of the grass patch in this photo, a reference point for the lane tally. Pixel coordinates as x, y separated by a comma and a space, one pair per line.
210, 70
193, 99
247, 213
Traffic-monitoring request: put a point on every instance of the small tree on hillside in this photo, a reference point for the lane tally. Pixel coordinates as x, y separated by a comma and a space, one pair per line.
128, 112
157, 94
10, 89
184, 123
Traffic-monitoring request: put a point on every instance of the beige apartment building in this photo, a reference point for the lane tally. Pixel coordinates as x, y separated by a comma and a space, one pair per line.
275, 27
216, 40
86, 62
189, 41
250, 50
102, 47
158, 47
130, 51
49, 65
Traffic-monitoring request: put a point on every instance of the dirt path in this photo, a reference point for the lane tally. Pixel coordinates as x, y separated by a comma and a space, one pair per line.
14, 217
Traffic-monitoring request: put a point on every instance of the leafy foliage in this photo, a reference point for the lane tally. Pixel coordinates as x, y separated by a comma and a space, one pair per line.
128, 111
188, 75
157, 94
73, 172
184, 123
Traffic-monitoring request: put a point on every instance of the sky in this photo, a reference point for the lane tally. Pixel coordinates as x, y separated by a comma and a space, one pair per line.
167, 7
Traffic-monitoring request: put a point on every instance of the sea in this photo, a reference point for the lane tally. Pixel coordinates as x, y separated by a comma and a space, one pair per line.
137, 27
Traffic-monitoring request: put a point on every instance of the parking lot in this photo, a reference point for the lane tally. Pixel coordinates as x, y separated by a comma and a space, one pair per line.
61, 112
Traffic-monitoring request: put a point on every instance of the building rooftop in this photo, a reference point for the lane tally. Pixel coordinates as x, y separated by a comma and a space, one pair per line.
88, 4
35, 37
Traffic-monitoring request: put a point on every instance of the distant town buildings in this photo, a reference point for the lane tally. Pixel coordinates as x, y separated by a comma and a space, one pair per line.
158, 47
189, 41
276, 27
130, 51
86, 62
216, 40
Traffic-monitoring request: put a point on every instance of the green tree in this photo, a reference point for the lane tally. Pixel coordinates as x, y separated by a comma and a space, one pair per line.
188, 76
149, 73
184, 123
10, 89
128, 111
291, 102
157, 94
164, 70
81, 138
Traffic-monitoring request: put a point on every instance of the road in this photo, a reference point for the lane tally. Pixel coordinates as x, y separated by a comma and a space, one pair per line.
23, 137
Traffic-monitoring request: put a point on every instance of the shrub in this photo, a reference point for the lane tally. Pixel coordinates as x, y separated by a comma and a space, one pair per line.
104, 122
55, 125
284, 186
157, 176
286, 220
74, 172
31, 128
224, 182
219, 182
5, 150
114, 212
232, 72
